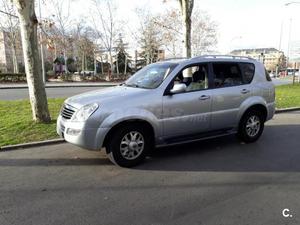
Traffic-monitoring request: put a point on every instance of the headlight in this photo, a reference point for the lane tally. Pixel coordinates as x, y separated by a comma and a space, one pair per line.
85, 112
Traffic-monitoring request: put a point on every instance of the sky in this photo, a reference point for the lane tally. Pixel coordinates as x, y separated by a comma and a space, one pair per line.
241, 23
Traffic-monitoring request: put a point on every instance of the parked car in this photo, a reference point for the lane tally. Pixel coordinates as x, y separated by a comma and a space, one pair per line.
171, 102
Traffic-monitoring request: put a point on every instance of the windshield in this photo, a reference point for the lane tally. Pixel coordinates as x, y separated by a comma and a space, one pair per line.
151, 76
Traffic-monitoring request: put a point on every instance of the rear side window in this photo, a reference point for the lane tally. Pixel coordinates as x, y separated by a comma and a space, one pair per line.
248, 70
268, 76
227, 75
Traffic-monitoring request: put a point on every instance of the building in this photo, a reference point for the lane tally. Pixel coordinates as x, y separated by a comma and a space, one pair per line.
6, 54
272, 58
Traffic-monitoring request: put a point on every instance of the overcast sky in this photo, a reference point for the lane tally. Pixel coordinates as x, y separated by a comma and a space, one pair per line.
241, 23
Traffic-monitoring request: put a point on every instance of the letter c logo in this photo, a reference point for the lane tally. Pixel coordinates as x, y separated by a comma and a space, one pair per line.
285, 213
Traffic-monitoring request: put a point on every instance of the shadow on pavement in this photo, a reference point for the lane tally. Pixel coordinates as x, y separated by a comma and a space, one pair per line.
278, 150
54, 162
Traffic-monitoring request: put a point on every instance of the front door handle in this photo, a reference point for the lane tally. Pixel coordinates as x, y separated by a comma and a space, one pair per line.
204, 97
245, 91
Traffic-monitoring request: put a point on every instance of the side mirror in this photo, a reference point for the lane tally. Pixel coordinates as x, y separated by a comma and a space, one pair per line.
178, 88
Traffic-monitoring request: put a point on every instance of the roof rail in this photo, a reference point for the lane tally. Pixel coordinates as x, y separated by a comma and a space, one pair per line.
170, 59
223, 57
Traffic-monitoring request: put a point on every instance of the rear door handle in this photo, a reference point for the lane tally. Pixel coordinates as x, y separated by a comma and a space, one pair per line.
245, 91
204, 97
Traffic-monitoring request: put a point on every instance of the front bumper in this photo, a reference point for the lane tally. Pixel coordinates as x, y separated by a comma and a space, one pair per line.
78, 134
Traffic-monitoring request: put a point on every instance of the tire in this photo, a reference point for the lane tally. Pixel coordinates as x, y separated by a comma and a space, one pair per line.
125, 147
251, 126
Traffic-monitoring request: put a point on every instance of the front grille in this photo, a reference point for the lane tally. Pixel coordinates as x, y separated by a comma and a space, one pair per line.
67, 111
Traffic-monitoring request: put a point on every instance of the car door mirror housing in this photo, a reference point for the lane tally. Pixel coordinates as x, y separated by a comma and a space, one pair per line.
178, 88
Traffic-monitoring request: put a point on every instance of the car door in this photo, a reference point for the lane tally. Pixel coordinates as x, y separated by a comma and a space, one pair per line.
230, 91
188, 112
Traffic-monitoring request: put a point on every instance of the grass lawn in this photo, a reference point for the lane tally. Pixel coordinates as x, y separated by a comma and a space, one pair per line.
16, 125
288, 96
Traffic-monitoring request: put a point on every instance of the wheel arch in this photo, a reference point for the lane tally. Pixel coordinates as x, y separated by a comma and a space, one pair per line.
258, 107
138, 122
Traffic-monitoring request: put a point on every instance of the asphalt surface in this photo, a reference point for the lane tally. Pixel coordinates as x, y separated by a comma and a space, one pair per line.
216, 182
63, 92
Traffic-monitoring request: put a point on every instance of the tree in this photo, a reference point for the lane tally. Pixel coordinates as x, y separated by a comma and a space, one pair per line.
62, 26
170, 26
186, 7
204, 33
84, 45
123, 59
37, 93
106, 25
10, 26
151, 36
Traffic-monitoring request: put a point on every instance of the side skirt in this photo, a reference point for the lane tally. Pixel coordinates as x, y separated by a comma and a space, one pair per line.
195, 137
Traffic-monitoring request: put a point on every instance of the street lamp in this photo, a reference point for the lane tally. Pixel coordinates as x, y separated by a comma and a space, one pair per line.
290, 31
290, 3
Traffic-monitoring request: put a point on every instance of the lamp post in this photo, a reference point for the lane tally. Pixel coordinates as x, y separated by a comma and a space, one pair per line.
290, 31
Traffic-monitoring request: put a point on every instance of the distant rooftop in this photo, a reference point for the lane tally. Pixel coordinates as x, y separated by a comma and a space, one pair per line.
255, 50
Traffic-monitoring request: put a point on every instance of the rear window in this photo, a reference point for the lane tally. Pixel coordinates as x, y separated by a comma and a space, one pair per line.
268, 76
248, 70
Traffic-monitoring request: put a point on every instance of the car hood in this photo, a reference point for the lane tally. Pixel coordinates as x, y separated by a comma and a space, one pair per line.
105, 94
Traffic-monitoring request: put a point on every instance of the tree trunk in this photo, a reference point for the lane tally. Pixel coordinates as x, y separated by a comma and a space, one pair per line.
14, 57
186, 7
37, 93
125, 69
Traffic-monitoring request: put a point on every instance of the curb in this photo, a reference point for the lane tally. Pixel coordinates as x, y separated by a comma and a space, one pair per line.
62, 86
32, 144
277, 111
60, 140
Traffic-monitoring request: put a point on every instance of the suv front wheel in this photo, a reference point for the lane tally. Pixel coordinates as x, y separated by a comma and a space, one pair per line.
251, 126
129, 145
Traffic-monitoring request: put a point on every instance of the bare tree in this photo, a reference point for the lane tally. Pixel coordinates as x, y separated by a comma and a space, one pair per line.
10, 26
204, 33
170, 27
62, 26
37, 93
106, 25
84, 44
150, 35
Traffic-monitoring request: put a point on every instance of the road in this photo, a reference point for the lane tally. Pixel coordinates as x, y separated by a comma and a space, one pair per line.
213, 182
64, 92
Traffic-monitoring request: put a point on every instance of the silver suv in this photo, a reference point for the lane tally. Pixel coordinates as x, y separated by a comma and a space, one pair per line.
171, 102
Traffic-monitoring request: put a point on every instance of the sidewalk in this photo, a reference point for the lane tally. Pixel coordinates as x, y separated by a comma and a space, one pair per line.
61, 84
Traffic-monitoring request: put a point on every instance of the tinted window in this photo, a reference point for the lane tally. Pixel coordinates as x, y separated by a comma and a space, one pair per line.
227, 75
248, 70
268, 76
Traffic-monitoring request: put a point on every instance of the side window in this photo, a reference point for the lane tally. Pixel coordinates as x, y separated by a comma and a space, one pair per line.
227, 75
268, 76
194, 77
248, 70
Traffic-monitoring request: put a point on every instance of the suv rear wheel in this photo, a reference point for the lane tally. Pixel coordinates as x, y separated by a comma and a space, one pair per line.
251, 126
129, 145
